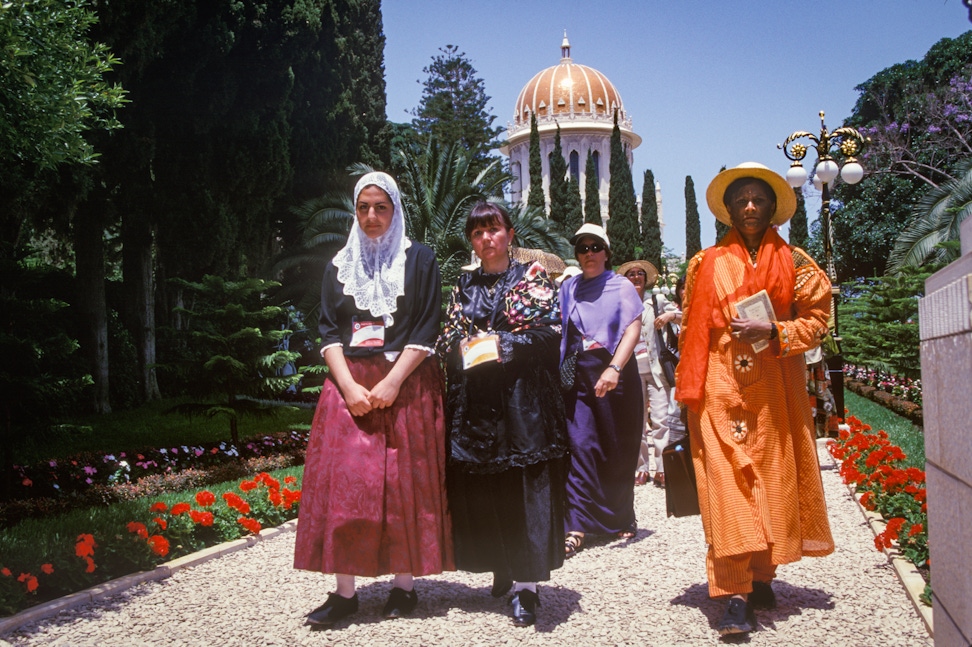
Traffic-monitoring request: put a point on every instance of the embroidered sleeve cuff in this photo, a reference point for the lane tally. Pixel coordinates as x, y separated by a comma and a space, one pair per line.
324, 348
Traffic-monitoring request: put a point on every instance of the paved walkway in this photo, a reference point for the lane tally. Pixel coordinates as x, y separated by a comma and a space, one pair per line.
647, 591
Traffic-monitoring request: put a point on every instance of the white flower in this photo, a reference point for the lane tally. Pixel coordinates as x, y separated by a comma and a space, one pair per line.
744, 362
739, 430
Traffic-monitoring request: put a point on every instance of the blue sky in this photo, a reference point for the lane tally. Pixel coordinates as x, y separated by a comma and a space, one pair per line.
707, 83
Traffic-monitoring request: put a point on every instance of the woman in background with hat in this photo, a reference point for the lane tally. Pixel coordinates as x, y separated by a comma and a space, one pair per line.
743, 381
655, 389
601, 315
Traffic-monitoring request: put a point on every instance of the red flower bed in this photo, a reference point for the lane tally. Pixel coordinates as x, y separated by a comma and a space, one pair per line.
165, 533
875, 467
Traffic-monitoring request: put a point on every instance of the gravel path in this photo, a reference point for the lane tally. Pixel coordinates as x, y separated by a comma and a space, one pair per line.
648, 591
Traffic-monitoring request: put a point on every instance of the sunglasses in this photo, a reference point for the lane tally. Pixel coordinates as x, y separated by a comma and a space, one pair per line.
595, 248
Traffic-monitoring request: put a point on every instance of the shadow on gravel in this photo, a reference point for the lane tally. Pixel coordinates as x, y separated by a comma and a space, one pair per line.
437, 598
591, 540
790, 601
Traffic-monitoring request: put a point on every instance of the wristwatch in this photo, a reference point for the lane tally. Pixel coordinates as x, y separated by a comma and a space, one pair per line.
773, 332
615, 367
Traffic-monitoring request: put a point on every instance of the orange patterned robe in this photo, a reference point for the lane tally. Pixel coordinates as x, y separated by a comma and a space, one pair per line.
752, 433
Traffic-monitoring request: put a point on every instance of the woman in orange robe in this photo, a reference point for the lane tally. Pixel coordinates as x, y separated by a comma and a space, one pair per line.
750, 422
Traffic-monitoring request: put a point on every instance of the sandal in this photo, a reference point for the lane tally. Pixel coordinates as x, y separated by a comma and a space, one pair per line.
573, 543
629, 532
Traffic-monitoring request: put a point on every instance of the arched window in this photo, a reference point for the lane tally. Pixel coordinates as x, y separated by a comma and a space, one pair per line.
574, 166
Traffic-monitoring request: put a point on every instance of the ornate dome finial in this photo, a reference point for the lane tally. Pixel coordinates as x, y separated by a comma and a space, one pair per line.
565, 49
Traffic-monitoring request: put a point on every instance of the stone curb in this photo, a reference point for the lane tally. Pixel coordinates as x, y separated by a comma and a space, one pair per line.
125, 582
908, 575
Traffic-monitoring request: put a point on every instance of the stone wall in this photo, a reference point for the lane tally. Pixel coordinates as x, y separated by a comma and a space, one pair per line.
946, 375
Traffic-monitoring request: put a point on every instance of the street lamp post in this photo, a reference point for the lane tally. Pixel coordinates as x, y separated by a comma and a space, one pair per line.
849, 142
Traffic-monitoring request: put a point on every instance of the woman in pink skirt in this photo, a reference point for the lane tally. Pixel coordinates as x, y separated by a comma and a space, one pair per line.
373, 500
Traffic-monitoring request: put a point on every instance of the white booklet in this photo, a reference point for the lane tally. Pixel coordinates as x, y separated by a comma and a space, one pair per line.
760, 308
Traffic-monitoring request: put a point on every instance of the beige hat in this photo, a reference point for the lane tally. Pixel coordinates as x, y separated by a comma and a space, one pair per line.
569, 271
785, 198
590, 229
651, 272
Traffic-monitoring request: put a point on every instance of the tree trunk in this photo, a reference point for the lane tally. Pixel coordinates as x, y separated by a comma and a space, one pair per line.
89, 249
140, 301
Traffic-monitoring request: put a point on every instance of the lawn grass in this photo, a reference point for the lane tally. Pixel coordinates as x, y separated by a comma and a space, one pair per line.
901, 431
148, 426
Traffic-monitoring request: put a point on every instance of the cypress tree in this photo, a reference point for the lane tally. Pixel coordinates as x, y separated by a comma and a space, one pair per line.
693, 230
573, 210
558, 184
622, 209
799, 235
535, 198
592, 194
651, 242
721, 229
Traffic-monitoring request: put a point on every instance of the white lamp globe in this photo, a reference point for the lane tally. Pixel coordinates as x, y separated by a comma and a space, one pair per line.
852, 172
656, 290
827, 171
817, 183
796, 176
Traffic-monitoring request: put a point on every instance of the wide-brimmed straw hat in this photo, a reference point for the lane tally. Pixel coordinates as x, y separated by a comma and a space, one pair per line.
785, 198
590, 229
651, 272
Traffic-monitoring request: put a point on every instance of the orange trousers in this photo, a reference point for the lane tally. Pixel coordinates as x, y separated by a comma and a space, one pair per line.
734, 575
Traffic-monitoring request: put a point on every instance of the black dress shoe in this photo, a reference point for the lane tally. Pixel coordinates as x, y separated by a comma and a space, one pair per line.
525, 604
738, 618
334, 609
501, 586
762, 596
400, 603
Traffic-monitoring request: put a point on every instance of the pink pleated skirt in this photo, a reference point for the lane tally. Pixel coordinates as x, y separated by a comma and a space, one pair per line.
373, 497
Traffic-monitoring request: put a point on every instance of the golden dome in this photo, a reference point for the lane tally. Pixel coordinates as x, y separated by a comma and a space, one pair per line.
568, 91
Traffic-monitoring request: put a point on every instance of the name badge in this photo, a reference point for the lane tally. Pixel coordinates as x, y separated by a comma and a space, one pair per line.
367, 333
590, 344
479, 350
641, 349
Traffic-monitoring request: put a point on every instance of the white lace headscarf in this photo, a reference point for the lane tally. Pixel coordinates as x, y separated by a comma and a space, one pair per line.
372, 270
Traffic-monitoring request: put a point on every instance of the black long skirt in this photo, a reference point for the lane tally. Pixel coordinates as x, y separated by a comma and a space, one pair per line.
509, 523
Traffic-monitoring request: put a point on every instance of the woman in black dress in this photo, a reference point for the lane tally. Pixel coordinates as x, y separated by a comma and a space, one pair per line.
505, 417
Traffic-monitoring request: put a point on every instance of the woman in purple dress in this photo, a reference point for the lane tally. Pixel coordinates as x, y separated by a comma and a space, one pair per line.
601, 315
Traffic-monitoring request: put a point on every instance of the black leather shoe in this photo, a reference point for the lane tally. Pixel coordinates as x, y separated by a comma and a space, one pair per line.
525, 603
400, 603
762, 596
334, 609
738, 618
501, 586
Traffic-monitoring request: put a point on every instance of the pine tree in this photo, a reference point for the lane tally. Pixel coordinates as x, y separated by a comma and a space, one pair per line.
558, 185
799, 235
454, 106
651, 242
592, 193
622, 209
693, 230
573, 210
536, 198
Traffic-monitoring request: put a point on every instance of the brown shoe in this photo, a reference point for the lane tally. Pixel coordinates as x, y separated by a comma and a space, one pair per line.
641, 478
659, 480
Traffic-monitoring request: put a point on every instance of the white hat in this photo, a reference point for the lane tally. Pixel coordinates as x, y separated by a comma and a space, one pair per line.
569, 271
590, 229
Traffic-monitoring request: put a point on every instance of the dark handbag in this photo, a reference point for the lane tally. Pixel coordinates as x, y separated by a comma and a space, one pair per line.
666, 343
568, 372
681, 494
